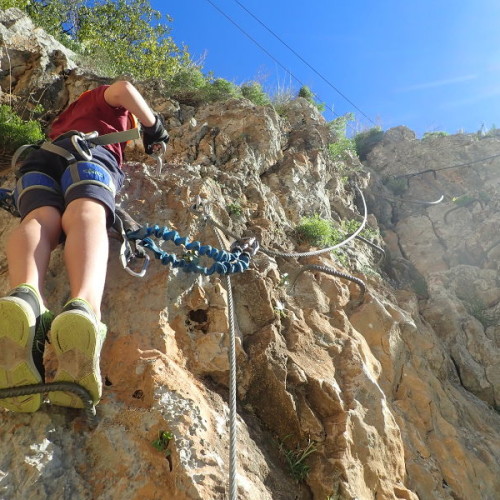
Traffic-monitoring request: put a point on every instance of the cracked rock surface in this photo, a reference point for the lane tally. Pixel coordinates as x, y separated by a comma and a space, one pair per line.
398, 396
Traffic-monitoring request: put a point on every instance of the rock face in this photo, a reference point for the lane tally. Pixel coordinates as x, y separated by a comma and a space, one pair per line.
393, 398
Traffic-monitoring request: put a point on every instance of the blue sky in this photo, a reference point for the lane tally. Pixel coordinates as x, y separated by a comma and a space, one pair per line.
432, 65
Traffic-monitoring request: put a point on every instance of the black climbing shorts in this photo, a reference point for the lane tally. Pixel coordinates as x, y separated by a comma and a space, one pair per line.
54, 166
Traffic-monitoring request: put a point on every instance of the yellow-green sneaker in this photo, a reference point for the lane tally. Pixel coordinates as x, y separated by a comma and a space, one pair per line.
24, 323
77, 339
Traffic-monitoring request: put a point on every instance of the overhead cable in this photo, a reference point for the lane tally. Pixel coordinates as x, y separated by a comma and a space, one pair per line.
231, 20
434, 170
305, 62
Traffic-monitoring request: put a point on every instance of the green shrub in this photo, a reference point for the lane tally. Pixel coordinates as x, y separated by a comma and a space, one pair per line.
366, 140
309, 95
220, 89
187, 83
343, 146
322, 232
7, 4
398, 186
315, 231
15, 132
341, 149
295, 459
234, 209
116, 36
430, 135
255, 93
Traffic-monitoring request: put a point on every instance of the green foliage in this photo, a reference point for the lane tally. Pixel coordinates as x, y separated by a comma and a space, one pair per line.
187, 84
316, 231
341, 149
15, 132
234, 209
366, 140
255, 93
119, 37
397, 186
190, 85
309, 95
295, 459
343, 146
7, 4
161, 444
339, 125
322, 233
220, 89
430, 135
464, 200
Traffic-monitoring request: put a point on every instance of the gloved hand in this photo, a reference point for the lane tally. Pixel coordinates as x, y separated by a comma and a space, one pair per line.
154, 134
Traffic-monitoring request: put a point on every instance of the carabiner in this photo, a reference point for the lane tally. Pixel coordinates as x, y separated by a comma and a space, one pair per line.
81, 140
157, 155
142, 272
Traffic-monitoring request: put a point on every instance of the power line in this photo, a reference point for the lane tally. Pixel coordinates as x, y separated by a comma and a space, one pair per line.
266, 51
305, 62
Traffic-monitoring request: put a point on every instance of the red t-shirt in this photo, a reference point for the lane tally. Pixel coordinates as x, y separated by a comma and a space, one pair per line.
91, 112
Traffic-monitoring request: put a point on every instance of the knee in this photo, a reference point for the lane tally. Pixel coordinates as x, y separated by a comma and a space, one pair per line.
45, 221
84, 211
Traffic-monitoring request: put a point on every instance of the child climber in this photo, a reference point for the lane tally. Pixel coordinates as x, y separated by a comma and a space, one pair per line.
53, 202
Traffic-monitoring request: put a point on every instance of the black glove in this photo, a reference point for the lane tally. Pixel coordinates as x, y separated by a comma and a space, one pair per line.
154, 134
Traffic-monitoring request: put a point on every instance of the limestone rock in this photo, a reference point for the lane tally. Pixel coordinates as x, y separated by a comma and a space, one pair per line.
393, 398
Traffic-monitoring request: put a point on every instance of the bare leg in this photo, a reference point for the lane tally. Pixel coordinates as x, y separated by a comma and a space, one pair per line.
86, 250
30, 245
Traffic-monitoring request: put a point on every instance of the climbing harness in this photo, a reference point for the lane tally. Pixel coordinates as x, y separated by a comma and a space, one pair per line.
82, 142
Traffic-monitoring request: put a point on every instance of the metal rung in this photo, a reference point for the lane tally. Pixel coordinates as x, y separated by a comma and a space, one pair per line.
81, 392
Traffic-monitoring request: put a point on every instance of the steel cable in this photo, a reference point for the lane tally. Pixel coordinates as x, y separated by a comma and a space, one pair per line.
81, 392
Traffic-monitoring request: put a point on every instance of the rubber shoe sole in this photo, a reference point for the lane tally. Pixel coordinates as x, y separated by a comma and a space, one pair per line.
17, 368
77, 344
